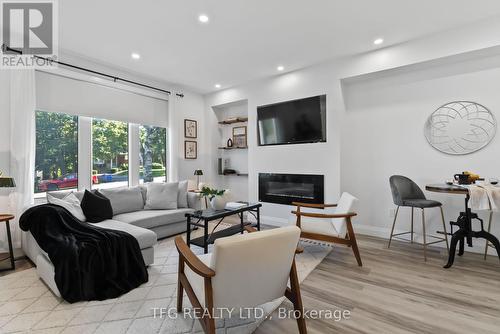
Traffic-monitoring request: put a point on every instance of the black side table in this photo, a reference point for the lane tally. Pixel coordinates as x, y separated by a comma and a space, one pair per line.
6, 219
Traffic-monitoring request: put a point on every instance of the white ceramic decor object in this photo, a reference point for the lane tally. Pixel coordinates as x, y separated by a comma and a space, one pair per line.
218, 202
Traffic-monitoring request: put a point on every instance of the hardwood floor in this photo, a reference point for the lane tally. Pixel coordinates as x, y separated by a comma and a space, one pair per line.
397, 292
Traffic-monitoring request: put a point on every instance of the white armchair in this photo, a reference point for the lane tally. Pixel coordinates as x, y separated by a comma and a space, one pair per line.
244, 271
321, 222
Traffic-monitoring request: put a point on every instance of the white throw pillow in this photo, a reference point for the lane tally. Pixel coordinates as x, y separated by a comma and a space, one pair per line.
182, 201
162, 196
71, 203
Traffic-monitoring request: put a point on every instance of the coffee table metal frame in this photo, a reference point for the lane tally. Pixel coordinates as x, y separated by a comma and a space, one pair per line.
201, 218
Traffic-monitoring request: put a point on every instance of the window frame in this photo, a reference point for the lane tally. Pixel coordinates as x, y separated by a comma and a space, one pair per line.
84, 154
127, 126
165, 153
43, 194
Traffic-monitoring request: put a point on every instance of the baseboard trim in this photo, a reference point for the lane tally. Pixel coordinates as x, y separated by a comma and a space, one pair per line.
274, 221
384, 232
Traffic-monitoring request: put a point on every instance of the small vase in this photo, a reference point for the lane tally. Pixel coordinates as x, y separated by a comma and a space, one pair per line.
218, 203
229, 142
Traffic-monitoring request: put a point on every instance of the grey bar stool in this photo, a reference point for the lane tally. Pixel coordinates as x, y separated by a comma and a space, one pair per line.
406, 193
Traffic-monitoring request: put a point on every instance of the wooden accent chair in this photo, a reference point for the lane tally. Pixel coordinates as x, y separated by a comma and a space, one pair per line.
335, 227
244, 271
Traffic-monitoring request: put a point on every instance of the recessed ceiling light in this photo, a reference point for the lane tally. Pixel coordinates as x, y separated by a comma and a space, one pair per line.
135, 56
203, 18
280, 68
378, 41
217, 86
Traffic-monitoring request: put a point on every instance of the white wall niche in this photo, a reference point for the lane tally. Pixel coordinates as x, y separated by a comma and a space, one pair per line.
237, 158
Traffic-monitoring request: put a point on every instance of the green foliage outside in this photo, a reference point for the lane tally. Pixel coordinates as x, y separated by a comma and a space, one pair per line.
153, 151
155, 172
109, 141
56, 145
157, 165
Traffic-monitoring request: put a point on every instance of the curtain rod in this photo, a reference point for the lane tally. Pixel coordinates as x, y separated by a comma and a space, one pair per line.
5, 48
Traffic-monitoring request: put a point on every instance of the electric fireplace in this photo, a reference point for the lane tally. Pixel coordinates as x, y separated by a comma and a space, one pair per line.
288, 188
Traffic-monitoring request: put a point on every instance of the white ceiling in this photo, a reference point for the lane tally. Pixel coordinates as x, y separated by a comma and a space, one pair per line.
245, 40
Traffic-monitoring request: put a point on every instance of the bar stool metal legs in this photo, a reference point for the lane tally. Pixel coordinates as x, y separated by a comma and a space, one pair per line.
394, 224
412, 209
424, 235
411, 232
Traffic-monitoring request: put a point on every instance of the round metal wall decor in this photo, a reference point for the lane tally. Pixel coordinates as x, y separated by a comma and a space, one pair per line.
460, 127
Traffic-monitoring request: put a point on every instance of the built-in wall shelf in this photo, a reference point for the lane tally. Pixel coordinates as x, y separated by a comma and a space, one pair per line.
233, 148
234, 120
228, 122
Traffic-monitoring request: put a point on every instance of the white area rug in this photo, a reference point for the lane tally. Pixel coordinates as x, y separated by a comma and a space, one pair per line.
27, 305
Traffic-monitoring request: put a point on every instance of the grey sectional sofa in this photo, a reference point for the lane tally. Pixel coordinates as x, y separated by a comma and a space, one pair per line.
129, 216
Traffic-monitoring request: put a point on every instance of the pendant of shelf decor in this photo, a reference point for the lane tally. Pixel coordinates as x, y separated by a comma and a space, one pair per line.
460, 127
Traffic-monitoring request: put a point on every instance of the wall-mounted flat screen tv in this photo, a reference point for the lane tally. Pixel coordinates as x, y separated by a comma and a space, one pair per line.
292, 122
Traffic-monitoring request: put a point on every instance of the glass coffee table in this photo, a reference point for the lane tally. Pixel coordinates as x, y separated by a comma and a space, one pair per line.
201, 218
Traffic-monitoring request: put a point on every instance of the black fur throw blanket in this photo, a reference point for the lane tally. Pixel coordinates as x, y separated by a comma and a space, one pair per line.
91, 263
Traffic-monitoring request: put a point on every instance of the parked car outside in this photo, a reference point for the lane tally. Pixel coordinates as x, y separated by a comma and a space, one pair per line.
116, 177
66, 182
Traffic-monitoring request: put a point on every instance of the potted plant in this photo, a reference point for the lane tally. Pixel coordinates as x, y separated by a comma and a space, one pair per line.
216, 197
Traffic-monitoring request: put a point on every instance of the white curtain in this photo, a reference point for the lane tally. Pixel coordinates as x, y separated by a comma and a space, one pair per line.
174, 144
22, 144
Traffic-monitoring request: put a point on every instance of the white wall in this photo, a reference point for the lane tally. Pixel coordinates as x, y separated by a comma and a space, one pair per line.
190, 107
375, 122
385, 117
319, 158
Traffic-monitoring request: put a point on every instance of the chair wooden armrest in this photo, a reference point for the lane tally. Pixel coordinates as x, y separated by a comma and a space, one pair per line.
323, 215
250, 229
311, 205
186, 255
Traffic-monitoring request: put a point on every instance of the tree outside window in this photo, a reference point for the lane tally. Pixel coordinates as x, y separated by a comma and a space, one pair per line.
153, 157
56, 154
109, 153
